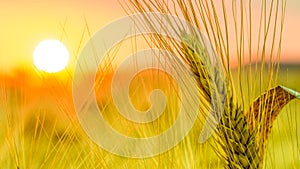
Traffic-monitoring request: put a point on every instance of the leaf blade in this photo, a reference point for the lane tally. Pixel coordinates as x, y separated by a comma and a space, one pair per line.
264, 111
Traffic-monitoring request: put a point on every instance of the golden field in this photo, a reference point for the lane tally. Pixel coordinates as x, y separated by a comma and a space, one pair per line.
39, 128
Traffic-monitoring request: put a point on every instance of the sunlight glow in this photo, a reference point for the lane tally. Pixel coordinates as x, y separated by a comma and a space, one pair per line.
50, 56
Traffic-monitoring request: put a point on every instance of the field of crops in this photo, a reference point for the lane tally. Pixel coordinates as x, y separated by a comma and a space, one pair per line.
39, 128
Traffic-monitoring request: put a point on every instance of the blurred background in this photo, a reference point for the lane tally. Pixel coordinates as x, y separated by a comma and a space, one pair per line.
24, 23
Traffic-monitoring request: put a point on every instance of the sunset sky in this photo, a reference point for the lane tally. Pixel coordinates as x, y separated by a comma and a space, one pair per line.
24, 23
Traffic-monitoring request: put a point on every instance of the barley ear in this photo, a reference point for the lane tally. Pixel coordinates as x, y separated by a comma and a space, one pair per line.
238, 147
210, 79
236, 139
264, 110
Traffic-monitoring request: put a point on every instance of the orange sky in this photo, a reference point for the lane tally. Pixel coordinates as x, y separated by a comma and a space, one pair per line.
24, 23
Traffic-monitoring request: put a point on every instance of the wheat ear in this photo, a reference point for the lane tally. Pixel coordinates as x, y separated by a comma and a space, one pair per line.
235, 138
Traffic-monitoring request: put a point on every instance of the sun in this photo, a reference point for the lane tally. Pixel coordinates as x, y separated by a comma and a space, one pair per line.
50, 56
